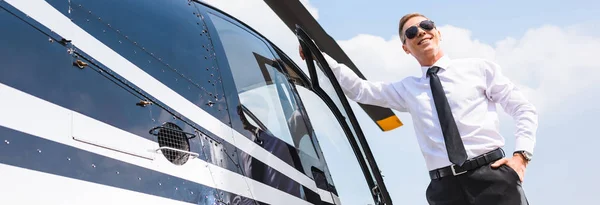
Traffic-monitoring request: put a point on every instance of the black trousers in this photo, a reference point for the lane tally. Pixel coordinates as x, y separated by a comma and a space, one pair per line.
482, 186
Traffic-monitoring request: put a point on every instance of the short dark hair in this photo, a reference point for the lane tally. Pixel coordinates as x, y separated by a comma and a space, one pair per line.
403, 21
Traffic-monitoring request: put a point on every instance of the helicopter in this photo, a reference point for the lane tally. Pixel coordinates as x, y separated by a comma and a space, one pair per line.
170, 102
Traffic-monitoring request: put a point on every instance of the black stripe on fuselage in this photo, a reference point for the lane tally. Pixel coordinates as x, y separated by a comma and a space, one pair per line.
31, 152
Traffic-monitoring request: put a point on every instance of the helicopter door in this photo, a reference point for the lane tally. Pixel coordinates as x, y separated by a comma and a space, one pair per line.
324, 83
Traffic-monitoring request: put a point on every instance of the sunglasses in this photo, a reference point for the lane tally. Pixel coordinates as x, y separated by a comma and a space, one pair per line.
411, 32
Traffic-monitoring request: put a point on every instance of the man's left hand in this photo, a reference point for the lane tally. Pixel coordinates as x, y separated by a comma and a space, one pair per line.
517, 163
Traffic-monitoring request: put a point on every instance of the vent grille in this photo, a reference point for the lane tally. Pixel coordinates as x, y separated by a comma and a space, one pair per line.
174, 142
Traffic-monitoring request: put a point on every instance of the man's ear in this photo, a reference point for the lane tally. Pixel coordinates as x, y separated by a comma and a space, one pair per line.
405, 49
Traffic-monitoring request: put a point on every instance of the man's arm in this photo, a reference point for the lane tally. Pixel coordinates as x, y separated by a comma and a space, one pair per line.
502, 91
373, 93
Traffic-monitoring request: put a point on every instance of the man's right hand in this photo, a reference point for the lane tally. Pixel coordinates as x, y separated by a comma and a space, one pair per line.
301, 53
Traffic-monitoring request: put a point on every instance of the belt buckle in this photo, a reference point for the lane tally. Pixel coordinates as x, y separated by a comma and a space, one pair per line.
454, 171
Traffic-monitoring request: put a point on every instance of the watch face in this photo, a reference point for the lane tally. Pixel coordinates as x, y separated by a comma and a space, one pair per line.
526, 155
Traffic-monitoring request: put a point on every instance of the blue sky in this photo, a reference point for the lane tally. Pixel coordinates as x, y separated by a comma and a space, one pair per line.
548, 48
560, 173
488, 20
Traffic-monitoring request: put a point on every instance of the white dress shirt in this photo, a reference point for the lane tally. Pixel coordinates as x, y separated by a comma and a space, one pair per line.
472, 86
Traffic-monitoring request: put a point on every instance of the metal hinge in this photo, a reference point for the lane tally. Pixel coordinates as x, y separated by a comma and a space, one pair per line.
80, 64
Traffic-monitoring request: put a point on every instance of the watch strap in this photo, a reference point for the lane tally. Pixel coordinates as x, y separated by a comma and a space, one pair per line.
525, 154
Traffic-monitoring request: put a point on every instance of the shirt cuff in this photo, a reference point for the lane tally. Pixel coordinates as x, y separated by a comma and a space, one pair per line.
525, 144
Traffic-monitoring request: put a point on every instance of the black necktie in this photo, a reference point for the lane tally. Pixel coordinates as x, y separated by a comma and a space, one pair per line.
454, 144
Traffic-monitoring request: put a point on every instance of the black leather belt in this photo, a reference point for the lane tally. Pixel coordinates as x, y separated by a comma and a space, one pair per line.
470, 164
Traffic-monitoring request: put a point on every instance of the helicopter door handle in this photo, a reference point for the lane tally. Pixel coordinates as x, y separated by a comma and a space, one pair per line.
193, 154
375, 190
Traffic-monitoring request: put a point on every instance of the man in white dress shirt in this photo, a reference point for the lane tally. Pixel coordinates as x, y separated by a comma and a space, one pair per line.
453, 107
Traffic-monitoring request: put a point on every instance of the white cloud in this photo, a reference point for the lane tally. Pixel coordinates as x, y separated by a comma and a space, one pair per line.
555, 67
549, 63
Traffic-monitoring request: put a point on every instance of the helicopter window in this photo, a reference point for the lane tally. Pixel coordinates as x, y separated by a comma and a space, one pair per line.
262, 86
341, 161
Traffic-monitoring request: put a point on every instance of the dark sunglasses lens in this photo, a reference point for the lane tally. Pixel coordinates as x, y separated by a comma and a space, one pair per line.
427, 25
411, 32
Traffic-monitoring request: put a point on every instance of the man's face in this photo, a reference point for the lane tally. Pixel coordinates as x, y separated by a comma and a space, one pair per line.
425, 42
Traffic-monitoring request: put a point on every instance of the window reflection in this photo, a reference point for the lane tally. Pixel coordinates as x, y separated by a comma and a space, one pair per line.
327, 86
347, 175
262, 87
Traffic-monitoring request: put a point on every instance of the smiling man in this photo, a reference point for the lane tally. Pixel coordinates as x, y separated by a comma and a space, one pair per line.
453, 107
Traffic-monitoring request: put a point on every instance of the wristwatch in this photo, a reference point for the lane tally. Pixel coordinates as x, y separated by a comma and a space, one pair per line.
525, 154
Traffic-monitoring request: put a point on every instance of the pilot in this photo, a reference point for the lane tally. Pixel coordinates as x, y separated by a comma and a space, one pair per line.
453, 105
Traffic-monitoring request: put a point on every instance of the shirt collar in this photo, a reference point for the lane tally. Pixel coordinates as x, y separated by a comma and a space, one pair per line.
443, 63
